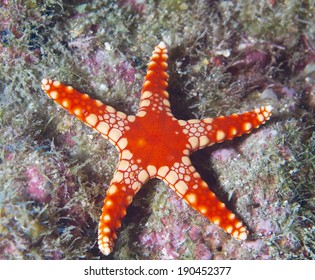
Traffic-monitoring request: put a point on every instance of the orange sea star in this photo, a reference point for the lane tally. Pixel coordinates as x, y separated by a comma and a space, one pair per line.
154, 144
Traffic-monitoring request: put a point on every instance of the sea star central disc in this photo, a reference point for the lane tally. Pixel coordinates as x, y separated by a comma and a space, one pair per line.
145, 131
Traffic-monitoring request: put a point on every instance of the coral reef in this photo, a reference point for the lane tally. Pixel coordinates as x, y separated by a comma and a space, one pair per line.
225, 57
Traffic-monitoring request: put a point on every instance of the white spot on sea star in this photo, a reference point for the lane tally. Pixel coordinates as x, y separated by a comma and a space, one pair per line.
102, 127
171, 177
54, 94
181, 187
220, 135
162, 171
91, 119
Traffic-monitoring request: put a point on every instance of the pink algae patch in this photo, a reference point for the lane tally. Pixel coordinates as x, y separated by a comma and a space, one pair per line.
224, 154
37, 185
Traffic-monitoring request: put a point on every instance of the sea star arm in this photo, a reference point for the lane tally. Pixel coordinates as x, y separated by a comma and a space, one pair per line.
208, 131
154, 96
186, 182
117, 199
102, 118
127, 181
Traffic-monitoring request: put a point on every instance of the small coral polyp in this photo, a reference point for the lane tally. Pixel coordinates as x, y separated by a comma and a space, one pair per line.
137, 138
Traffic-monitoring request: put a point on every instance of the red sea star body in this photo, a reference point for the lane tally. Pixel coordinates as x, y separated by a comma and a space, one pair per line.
154, 144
